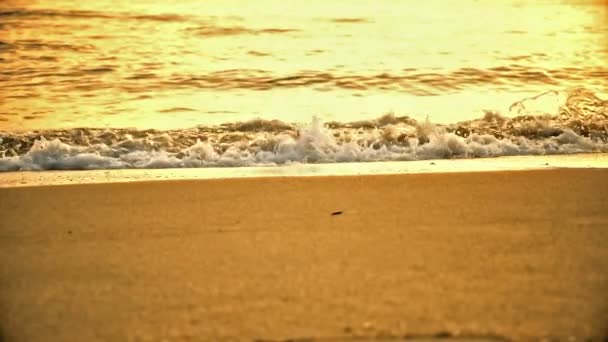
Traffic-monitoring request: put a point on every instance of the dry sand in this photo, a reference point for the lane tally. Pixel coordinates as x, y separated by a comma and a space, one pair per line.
514, 254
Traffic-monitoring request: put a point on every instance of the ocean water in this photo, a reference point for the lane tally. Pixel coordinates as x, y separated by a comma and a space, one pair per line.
152, 84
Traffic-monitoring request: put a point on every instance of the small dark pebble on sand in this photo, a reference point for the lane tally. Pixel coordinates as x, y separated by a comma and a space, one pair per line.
443, 334
336, 213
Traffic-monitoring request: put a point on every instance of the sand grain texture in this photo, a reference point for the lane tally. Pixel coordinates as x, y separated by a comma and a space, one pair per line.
520, 254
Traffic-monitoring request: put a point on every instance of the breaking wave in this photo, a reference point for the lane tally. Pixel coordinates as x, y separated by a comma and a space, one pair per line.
580, 126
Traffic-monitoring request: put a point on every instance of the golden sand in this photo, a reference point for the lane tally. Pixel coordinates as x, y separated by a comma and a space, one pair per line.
514, 254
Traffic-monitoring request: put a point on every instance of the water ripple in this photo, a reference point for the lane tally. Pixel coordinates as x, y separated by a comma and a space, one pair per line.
409, 81
32, 13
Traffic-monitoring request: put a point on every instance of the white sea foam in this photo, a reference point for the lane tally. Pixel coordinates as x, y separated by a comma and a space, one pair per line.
581, 126
314, 144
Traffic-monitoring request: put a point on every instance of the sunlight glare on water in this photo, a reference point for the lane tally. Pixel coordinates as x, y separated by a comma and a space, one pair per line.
152, 63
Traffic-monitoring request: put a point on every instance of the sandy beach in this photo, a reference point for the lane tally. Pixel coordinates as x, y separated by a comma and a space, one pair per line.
516, 255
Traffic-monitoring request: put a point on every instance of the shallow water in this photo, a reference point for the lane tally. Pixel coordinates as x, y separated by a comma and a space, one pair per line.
513, 163
82, 84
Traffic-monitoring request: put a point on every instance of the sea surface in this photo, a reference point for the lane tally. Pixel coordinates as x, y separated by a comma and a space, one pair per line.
154, 84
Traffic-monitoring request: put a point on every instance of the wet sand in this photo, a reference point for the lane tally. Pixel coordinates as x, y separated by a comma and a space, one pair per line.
514, 254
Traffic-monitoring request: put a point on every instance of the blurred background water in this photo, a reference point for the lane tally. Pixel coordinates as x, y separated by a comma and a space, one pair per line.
157, 64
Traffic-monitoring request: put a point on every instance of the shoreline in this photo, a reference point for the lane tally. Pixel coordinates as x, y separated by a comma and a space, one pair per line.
516, 255
505, 163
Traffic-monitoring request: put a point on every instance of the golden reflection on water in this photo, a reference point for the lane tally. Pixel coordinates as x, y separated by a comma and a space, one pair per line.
156, 64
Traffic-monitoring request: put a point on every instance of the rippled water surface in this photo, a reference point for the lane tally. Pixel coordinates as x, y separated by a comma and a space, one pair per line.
152, 84
158, 64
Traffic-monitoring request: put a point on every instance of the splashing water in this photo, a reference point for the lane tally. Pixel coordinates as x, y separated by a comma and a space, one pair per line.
579, 126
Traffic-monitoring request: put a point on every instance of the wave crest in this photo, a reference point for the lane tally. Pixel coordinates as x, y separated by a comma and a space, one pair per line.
580, 125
